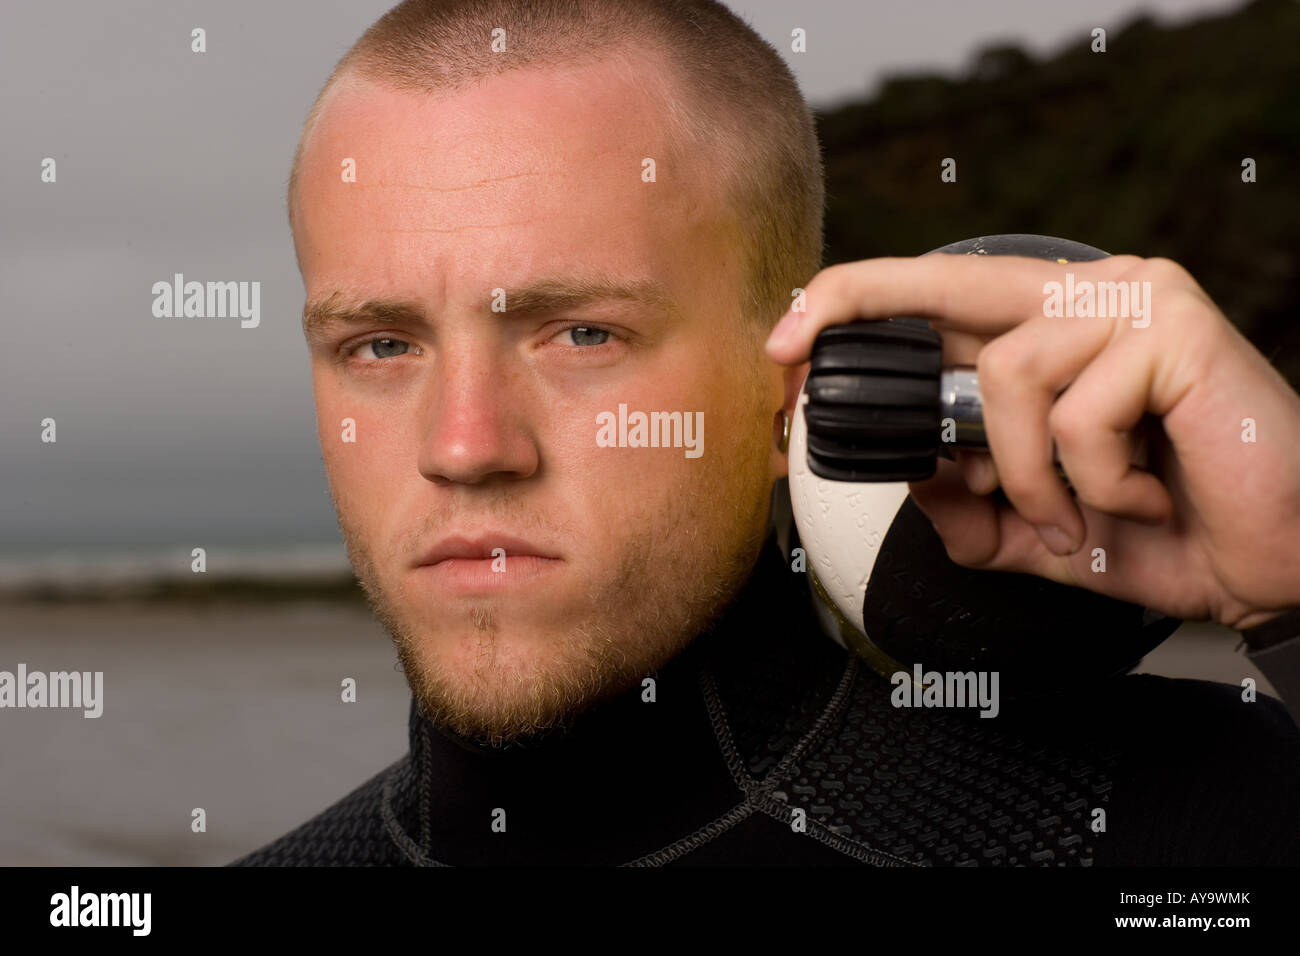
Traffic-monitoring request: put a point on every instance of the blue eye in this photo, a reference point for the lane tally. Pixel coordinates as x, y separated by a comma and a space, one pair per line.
585, 335
385, 348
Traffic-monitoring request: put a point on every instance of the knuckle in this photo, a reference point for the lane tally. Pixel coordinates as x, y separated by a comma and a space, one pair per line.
1128, 263
1180, 302
1000, 363
1189, 310
1165, 271
1068, 422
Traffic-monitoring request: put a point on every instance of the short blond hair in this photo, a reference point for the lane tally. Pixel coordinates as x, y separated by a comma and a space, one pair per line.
742, 108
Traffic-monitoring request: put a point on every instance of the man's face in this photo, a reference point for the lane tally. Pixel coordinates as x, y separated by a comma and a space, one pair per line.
483, 424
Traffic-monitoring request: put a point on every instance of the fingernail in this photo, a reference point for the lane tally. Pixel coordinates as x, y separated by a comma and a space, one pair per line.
1057, 541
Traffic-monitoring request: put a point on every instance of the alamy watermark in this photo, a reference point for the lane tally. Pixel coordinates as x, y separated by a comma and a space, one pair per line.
179, 299
651, 430
946, 689
72, 689
1098, 300
76, 908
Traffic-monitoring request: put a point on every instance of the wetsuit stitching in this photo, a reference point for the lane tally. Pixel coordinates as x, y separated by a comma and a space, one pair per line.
758, 793
395, 832
834, 707
846, 845
426, 790
722, 734
705, 834
735, 766
780, 811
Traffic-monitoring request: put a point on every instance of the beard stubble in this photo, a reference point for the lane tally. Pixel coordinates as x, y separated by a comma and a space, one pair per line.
687, 557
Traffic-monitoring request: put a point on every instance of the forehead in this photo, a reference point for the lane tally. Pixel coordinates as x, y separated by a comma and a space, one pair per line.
526, 171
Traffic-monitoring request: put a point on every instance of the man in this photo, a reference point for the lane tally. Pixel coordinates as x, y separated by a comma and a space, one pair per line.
519, 223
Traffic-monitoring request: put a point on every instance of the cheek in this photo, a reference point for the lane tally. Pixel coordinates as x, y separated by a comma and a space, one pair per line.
718, 425
360, 447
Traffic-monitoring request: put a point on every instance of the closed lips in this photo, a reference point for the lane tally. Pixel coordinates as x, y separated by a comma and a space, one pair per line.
481, 547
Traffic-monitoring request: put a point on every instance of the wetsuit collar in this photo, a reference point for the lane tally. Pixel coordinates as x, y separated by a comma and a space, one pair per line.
625, 780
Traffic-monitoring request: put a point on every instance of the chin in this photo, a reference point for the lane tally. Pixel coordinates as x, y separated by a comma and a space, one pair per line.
508, 656
509, 676
497, 706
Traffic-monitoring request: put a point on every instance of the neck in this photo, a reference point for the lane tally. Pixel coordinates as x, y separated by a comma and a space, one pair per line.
624, 779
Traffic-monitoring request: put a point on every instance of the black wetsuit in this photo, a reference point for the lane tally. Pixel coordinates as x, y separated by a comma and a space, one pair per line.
763, 716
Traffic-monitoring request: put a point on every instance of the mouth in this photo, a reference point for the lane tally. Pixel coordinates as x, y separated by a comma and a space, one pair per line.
487, 561
484, 546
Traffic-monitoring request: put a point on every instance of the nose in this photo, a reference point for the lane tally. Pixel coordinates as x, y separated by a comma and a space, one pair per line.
476, 418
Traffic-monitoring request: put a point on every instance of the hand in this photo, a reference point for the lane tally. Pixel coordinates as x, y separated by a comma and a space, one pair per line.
1210, 532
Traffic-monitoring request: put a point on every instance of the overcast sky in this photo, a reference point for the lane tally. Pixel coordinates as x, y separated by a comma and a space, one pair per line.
177, 432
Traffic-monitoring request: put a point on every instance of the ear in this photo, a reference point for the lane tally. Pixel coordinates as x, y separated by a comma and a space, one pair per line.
792, 379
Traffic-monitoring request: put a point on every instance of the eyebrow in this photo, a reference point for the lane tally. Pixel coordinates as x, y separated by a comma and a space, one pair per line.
544, 296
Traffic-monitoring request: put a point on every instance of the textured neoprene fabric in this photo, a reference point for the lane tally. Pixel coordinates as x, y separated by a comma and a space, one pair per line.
767, 743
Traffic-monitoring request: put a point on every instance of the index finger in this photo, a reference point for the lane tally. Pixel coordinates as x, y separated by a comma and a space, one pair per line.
984, 295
